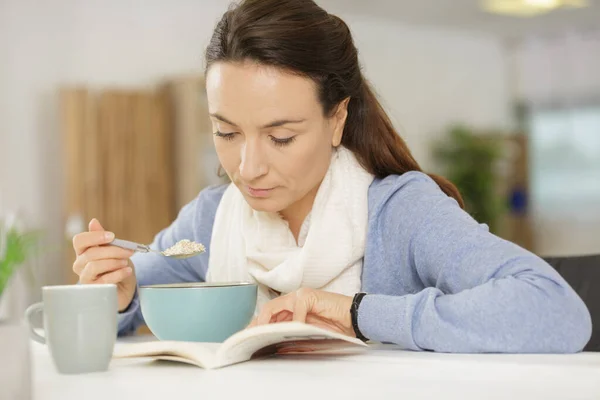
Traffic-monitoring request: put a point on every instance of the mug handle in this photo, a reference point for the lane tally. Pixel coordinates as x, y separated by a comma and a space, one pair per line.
29, 313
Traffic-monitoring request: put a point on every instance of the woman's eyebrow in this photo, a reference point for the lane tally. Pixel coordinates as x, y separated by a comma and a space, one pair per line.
222, 118
281, 122
274, 124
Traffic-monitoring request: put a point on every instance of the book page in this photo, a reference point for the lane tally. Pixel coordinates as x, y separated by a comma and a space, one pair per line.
316, 346
200, 354
284, 337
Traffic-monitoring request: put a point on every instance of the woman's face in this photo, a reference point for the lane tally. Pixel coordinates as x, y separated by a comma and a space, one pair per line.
271, 134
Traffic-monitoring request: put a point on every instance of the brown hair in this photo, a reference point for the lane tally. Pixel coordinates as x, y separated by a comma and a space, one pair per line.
301, 37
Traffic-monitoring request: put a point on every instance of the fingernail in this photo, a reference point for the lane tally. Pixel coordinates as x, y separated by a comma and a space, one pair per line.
109, 236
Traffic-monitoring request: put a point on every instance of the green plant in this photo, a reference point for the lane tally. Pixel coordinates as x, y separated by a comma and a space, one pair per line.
469, 161
15, 247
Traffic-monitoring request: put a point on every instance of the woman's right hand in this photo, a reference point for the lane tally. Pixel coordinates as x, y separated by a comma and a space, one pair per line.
98, 263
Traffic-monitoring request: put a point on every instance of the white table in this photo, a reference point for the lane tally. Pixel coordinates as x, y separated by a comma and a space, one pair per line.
381, 372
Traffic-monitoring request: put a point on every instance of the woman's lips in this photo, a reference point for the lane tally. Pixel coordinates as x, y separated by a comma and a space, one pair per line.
258, 192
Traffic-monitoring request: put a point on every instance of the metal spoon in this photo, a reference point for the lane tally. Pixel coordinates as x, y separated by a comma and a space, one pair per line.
142, 248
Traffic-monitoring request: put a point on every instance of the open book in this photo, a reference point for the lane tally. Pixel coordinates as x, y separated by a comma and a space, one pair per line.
259, 341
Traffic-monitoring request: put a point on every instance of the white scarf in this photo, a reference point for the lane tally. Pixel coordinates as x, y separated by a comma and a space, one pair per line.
253, 246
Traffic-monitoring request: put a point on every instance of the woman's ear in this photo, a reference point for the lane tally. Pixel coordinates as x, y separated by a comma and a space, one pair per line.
339, 120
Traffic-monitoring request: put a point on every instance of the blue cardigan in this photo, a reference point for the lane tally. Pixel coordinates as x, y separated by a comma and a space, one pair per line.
437, 280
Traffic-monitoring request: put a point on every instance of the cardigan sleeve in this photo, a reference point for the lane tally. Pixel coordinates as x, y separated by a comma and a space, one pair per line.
480, 293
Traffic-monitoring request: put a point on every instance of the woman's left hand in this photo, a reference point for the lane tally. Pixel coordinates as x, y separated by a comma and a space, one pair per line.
315, 307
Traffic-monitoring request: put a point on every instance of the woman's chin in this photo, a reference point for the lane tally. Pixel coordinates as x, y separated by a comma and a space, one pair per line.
269, 205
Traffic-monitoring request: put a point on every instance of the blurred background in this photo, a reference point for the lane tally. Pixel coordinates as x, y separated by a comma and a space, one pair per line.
103, 114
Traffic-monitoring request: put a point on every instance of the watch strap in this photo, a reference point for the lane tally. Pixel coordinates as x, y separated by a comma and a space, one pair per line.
354, 315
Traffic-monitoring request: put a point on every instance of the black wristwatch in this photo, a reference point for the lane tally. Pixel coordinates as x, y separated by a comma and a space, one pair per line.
354, 315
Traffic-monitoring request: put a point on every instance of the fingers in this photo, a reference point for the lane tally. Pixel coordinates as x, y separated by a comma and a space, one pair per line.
95, 269
100, 253
116, 276
292, 307
96, 261
283, 316
274, 307
106, 252
305, 301
95, 225
83, 241
310, 306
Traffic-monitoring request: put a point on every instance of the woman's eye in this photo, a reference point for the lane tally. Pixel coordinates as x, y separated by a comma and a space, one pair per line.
282, 142
226, 136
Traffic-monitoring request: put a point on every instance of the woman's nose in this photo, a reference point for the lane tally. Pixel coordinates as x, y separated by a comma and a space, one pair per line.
253, 163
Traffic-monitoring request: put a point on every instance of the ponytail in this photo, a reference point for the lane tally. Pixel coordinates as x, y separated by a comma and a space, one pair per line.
370, 135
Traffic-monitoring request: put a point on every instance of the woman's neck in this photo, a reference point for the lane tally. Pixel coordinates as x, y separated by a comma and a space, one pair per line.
296, 213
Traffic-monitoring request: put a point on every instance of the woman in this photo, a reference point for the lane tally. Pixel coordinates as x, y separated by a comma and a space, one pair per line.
326, 201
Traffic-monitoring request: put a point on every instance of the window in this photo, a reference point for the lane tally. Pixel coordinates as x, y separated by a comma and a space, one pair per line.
565, 159
565, 180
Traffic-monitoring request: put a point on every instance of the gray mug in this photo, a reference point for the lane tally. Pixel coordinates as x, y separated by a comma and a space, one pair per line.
80, 326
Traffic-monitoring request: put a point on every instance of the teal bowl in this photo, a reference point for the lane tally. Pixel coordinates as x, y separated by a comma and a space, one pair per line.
198, 312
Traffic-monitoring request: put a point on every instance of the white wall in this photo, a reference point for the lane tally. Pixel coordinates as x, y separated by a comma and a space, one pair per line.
427, 78
562, 68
